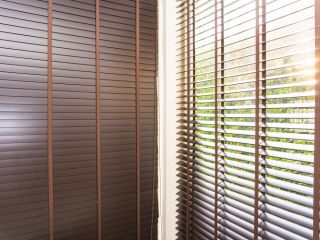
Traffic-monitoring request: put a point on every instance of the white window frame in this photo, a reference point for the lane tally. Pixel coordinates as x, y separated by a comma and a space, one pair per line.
167, 119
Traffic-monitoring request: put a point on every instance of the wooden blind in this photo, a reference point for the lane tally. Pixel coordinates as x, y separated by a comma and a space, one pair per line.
119, 136
78, 119
248, 73
23, 121
74, 119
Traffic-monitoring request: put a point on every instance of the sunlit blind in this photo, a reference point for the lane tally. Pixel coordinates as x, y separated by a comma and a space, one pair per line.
247, 135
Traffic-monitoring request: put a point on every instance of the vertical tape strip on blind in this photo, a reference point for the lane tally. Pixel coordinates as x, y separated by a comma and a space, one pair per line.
263, 111
221, 158
216, 126
316, 194
98, 117
193, 98
138, 138
188, 121
257, 124
50, 156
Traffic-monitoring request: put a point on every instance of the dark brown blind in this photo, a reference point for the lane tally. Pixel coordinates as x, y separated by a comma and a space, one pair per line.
118, 119
118, 114
148, 114
23, 120
98, 85
74, 119
248, 73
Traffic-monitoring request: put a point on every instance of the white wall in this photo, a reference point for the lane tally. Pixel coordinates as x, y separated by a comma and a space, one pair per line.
167, 120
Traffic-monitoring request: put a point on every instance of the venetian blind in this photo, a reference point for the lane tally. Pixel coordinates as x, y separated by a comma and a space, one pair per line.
78, 119
248, 77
